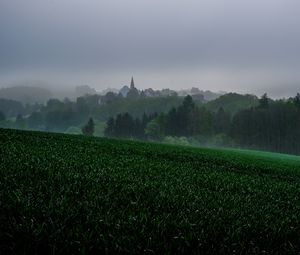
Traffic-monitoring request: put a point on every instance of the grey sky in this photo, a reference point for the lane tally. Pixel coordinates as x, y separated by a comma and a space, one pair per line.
233, 45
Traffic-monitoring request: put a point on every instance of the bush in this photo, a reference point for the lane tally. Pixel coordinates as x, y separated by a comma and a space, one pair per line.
89, 128
2, 116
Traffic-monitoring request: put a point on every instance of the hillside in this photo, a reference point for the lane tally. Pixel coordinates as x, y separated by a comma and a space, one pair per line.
232, 102
137, 107
75, 194
26, 94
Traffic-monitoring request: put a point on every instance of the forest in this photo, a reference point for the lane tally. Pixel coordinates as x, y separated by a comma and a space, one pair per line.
271, 125
231, 120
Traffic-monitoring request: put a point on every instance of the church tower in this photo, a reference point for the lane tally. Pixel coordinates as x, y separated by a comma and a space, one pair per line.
132, 83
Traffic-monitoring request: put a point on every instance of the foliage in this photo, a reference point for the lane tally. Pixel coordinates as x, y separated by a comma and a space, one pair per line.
35, 121
125, 126
269, 126
240, 120
275, 128
63, 194
100, 127
20, 122
296, 100
89, 128
136, 107
133, 93
2, 116
11, 108
221, 121
232, 103
264, 101
58, 115
155, 128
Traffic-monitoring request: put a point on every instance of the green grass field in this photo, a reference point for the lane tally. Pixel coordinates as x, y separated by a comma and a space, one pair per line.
64, 194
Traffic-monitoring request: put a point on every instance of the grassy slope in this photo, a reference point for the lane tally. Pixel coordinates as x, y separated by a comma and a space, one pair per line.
76, 194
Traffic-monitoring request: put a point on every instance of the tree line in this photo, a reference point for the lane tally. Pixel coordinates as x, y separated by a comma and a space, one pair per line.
271, 125
266, 125
125, 126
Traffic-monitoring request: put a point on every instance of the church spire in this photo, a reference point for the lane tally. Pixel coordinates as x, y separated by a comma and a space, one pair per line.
132, 83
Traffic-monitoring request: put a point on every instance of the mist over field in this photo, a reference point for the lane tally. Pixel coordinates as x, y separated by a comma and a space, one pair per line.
239, 46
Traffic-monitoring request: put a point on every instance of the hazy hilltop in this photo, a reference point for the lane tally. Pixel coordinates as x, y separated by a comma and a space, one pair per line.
207, 94
40, 92
233, 102
26, 94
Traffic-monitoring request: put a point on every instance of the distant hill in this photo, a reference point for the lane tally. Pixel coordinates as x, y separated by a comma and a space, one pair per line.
84, 90
136, 107
11, 108
124, 91
207, 94
26, 94
232, 102
105, 91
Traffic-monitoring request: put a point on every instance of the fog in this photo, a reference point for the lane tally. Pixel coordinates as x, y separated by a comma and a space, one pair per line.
230, 45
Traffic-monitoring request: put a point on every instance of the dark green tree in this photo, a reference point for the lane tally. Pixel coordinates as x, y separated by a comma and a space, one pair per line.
221, 122
110, 127
296, 100
89, 128
2, 116
20, 122
155, 128
133, 93
188, 103
35, 120
264, 101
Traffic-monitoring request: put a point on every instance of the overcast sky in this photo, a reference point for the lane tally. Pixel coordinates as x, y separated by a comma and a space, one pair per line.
230, 45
